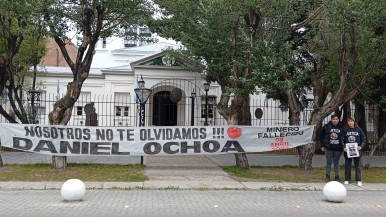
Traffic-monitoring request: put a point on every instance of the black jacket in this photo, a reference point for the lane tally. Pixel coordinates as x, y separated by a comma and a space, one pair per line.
330, 137
355, 134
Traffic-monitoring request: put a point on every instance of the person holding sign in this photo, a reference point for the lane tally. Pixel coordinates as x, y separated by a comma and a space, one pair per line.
353, 141
330, 141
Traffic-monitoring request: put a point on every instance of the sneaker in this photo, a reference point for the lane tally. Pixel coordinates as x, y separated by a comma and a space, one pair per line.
337, 178
346, 182
327, 178
359, 184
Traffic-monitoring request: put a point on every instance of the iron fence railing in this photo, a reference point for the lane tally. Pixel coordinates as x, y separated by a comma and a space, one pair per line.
122, 110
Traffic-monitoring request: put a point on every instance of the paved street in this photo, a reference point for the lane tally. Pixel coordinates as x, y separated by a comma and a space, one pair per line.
169, 203
187, 186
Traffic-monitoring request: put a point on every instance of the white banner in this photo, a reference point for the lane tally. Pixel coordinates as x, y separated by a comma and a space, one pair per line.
185, 140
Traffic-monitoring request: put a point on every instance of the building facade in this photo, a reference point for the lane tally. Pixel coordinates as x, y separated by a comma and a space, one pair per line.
178, 96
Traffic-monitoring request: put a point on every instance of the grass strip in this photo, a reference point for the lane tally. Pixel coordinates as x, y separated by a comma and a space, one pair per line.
84, 172
294, 174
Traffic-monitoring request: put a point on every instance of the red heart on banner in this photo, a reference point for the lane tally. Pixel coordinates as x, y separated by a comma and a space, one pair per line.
234, 132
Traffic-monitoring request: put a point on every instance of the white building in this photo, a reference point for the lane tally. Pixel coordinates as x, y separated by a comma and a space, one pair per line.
114, 75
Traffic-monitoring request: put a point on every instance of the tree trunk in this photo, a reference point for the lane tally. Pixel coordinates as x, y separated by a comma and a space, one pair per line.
306, 152
346, 112
381, 123
373, 117
242, 160
294, 107
59, 162
1, 161
61, 114
317, 142
237, 113
381, 141
92, 22
360, 115
243, 118
381, 133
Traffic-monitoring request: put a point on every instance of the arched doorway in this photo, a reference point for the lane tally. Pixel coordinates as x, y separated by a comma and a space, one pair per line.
172, 103
164, 110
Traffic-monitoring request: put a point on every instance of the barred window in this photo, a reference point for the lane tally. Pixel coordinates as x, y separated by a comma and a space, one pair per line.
84, 98
121, 101
122, 111
79, 110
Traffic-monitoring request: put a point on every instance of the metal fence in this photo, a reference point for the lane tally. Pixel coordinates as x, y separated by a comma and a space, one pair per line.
169, 107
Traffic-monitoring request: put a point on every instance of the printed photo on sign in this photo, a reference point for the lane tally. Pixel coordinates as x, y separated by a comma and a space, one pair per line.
352, 150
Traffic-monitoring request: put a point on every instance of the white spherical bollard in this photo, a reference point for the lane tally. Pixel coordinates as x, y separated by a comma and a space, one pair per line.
334, 191
73, 189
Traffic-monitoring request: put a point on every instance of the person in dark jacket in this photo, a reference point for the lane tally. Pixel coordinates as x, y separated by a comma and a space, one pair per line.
354, 136
330, 142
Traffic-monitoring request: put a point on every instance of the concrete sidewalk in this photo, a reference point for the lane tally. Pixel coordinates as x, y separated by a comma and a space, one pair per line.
220, 160
181, 172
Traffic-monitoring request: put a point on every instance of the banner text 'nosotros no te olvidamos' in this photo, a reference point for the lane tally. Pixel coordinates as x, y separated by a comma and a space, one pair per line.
192, 140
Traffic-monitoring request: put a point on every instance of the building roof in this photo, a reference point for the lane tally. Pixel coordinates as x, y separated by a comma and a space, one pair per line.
54, 56
65, 70
104, 59
123, 57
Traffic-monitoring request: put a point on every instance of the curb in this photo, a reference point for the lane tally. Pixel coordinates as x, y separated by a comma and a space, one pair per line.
189, 185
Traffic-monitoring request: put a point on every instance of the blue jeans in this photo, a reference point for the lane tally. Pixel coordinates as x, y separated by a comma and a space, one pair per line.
332, 157
347, 168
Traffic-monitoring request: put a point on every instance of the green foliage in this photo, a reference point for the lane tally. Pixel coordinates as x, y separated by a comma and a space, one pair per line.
368, 16
215, 33
88, 21
32, 50
239, 44
66, 18
205, 28
22, 45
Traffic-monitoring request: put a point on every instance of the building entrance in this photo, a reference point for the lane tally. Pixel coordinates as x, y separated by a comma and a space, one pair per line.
164, 110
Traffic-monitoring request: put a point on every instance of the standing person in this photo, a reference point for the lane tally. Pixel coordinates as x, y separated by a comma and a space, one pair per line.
353, 135
330, 142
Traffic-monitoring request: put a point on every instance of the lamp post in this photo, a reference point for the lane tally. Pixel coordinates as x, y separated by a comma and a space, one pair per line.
192, 113
206, 88
142, 95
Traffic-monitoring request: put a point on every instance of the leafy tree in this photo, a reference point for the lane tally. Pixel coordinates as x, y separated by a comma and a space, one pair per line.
347, 51
11, 38
340, 48
91, 20
374, 96
21, 46
252, 43
235, 43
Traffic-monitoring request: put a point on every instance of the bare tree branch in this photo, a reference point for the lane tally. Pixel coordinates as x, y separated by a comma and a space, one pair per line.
308, 20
